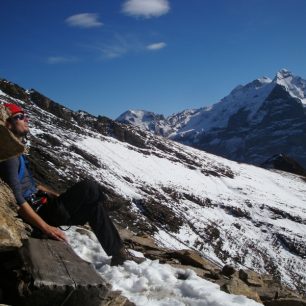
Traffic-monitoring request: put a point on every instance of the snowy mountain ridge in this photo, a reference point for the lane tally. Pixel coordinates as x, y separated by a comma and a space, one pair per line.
185, 198
265, 111
295, 85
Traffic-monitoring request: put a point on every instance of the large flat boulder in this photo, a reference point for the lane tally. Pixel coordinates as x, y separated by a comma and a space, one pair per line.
55, 275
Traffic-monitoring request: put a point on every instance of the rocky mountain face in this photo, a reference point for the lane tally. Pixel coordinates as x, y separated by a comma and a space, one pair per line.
284, 163
253, 123
148, 121
183, 198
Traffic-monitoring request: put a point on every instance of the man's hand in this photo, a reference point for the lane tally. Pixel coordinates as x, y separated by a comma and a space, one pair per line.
54, 232
29, 215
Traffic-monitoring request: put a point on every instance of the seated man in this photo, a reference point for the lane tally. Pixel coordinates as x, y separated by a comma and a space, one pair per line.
46, 210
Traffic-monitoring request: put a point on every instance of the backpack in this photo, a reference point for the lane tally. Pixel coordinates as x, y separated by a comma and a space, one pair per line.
23, 164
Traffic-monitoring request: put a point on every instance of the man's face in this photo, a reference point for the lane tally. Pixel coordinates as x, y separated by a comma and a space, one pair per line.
18, 124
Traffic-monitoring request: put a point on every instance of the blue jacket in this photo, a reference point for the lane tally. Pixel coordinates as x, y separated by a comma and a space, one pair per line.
9, 172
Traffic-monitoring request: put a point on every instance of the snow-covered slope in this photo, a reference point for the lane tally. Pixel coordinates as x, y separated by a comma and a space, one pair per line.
230, 212
254, 122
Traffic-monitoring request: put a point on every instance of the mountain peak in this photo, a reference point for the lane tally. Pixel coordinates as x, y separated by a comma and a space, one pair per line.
264, 80
295, 85
283, 74
148, 121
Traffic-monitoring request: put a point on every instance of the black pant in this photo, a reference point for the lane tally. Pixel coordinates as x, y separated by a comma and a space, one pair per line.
83, 203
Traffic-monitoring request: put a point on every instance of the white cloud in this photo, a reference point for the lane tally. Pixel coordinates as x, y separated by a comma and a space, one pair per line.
146, 8
156, 46
60, 59
85, 20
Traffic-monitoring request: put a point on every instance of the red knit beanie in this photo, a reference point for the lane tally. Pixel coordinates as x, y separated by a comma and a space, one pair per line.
13, 108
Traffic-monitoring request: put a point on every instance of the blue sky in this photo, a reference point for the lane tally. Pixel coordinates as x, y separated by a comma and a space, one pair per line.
107, 56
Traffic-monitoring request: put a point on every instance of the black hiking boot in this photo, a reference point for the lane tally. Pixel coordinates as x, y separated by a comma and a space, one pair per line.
123, 255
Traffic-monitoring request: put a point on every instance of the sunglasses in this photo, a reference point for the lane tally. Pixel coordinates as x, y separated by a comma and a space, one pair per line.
20, 117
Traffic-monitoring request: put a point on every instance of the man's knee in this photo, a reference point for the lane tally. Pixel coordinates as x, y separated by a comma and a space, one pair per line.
90, 188
88, 184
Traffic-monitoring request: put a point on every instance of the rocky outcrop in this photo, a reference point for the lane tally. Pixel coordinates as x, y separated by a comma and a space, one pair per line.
12, 232
284, 163
236, 286
12, 229
13, 90
9, 144
286, 302
261, 288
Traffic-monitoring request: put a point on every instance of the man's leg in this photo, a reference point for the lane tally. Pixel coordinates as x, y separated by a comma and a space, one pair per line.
83, 203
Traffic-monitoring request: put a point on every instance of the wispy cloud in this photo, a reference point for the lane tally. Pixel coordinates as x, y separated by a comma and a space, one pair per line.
156, 46
146, 8
113, 51
60, 60
120, 46
85, 20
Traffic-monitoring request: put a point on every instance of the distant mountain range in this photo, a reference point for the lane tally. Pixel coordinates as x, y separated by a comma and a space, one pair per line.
253, 123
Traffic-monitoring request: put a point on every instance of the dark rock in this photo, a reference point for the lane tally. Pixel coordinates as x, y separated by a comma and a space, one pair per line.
13, 90
160, 214
251, 278
192, 258
50, 106
228, 270
284, 163
286, 302
295, 246
212, 275
89, 157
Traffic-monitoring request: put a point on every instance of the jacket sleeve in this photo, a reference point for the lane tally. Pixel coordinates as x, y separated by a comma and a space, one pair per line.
9, 173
